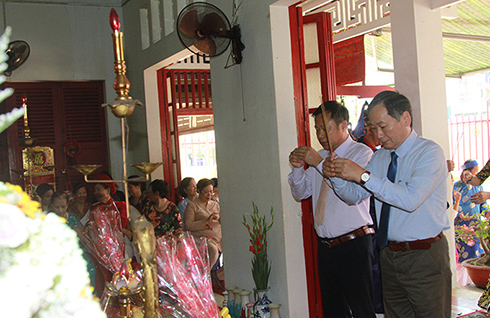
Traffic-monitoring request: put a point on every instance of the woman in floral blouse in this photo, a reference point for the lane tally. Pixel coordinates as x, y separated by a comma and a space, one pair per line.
161, 212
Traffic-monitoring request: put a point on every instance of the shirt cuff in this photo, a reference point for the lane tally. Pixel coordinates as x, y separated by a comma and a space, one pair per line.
374, 184
298, 172
319, 167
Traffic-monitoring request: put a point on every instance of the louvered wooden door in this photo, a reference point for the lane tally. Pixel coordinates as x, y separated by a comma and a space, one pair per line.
59, 112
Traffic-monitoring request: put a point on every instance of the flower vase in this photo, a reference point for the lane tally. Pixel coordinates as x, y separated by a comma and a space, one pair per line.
261, 306
238, 302
231, 302
245, 300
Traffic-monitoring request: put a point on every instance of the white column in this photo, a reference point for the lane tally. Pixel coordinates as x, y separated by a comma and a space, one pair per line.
419, 65
419, 74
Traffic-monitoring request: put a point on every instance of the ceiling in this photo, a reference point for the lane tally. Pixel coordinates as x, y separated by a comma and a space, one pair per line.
466, 40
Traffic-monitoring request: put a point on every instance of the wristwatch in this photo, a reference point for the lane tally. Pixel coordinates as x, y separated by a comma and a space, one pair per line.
365, 176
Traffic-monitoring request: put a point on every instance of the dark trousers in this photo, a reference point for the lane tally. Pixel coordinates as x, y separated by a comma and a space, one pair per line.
417, 283
346, 279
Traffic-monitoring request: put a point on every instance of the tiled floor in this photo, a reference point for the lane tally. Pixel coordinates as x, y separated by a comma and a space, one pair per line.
465, 300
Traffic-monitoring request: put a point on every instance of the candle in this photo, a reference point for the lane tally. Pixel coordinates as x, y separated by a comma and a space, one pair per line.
24, 104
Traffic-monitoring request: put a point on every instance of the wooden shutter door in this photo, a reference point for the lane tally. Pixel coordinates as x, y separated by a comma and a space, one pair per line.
58, 112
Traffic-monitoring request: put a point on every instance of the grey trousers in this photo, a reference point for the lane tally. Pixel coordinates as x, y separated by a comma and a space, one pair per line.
417, 283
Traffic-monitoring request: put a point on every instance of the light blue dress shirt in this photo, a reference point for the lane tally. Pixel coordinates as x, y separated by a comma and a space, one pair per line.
418, 196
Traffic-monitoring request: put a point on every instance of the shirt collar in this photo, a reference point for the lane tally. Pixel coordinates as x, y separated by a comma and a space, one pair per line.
407, 145
342, 149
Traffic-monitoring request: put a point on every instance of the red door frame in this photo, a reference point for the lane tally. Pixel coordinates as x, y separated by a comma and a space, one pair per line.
328, 90
197, 102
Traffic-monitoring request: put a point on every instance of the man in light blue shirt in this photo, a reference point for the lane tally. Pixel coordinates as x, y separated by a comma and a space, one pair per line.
410, 210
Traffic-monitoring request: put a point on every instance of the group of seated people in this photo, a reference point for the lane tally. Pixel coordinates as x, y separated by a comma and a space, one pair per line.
199, 211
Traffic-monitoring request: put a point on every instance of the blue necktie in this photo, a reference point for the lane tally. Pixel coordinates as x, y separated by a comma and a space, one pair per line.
385, 208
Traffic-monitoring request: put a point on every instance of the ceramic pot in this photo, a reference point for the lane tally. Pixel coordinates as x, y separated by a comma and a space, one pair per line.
274, 308
478, 274
261, 306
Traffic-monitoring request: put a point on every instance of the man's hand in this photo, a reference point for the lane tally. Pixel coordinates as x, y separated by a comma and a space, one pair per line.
304, 154
342, 168
480, 197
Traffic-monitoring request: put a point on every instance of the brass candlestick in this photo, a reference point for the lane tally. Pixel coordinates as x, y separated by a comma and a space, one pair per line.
144, 235
124, 105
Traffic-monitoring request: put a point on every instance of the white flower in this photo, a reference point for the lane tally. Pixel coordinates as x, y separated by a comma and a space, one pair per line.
13, 227
45, 276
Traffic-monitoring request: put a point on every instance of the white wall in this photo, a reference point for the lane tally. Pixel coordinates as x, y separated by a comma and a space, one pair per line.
68, 43
255, 131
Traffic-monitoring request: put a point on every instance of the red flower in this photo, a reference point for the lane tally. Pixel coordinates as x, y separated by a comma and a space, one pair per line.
252, 249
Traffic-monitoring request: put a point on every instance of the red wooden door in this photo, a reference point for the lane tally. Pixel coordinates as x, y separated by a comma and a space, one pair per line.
182, 93
314, 82
58, 112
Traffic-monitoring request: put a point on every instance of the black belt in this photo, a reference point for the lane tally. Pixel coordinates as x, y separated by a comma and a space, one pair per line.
365, 230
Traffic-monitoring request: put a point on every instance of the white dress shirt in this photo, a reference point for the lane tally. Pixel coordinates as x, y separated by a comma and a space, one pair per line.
340, 217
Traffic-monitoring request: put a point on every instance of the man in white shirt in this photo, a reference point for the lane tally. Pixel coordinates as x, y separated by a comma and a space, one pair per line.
344, 240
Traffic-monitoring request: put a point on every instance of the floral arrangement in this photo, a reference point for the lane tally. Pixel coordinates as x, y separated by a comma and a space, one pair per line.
261, 268
478, 231
42, 271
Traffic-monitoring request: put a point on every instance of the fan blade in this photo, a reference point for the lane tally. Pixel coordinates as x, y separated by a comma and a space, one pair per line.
212, 24
188, 24
206, 45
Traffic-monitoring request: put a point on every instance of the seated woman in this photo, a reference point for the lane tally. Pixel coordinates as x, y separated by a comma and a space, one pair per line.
44, 191
468, 212
103, 193
105, 204
161, 212
79, 206
136, 196
59, 205
215, 189
476, 180
202, 219
187, 190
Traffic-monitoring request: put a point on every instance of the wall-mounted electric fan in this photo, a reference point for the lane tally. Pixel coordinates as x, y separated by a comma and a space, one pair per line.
204, 29
18, 52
